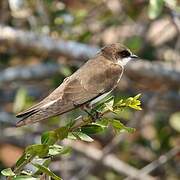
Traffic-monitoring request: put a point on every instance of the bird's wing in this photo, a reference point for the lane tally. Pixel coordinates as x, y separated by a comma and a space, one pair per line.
75, 91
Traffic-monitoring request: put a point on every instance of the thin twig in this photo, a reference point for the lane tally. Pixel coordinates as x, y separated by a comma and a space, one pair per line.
109, 161
157, 163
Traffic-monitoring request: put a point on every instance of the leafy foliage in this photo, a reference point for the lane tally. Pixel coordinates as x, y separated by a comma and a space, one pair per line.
8, 172
87, 127
46, 171
155, 8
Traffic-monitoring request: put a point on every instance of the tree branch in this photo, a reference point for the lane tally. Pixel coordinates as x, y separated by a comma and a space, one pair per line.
159, 162
159, 74
109, 161
43, 44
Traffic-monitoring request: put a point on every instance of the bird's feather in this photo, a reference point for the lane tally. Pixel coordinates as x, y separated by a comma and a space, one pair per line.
76, 90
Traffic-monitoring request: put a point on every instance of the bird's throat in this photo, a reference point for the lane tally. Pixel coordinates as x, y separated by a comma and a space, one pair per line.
124, 61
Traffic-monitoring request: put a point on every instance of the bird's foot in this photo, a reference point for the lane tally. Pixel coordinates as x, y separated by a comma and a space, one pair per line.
86, 108
94, 114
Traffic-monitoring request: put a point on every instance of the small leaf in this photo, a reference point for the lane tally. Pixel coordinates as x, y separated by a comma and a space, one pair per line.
82, 136
40, 150
7, 172
109, 104
62, 132
120, 126
71, 136
132, 102
46, 163
92, 129
103, 122
175, 121
20, 100
49, 137
57, 150
155, 8
135, 107
21, 160
137, 96
108, 107
46, 171
100, 106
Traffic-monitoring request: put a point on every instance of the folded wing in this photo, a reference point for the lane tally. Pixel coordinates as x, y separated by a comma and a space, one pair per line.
72, 93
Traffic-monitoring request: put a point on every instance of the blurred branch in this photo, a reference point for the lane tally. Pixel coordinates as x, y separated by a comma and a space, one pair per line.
157, 73
175, 15
42, 44
7, 118
4, 13
109, 161
154, 74
159, 162
39, 71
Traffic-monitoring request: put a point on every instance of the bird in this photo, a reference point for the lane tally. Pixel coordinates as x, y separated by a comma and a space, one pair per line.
89, 84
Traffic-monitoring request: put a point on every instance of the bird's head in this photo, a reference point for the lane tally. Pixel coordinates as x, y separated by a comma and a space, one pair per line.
118, 53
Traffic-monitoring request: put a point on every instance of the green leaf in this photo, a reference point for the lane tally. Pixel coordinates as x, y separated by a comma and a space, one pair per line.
57, 150
155, 8
137, 96
135, 107
103, 122
20, 100
46, 171
100, 106
40, 150
46, 164
92, 129
49, 137
175, 121
21, 160
72, 136
109, 104
62, 132
82, 136
7, 172
117, 125
120, 103
26, 173
132, 102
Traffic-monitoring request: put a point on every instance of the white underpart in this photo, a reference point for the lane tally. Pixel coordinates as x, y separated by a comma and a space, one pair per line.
99, 98
124, 61
121, 62
49, 103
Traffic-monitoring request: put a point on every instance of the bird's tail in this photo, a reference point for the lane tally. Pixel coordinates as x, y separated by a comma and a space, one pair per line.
26, 117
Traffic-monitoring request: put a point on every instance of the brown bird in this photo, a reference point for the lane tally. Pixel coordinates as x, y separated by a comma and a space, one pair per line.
90, 83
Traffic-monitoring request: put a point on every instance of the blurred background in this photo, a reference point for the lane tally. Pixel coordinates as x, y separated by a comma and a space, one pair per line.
43, 41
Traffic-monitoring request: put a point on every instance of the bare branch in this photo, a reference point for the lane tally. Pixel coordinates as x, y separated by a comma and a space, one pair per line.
28, 73
157, 73
109, 161
42, 44
159, 162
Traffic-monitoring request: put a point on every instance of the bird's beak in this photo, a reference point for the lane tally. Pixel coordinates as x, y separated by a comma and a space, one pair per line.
134, 56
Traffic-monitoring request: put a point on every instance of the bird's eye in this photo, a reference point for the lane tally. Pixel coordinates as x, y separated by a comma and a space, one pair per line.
124, 54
